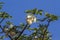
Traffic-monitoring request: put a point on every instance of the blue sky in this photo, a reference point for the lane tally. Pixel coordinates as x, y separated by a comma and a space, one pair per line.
16, 8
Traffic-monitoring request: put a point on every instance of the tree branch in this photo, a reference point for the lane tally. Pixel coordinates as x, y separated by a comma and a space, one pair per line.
46, 28
10, 37
0, 23
3, 29
42, 19
22, 31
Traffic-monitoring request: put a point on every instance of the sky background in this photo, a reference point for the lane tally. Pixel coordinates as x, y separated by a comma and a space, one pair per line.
16, 8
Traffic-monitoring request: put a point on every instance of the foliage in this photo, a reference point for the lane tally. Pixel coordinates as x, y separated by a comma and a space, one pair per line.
1, 5
15, 32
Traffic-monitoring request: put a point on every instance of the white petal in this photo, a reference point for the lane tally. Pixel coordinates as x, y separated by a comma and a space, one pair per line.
29, 15
30, 22
11, 25
31, 18
36, 37
35, 19
6, 29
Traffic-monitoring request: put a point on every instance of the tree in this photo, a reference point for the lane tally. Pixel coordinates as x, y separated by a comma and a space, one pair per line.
15, 32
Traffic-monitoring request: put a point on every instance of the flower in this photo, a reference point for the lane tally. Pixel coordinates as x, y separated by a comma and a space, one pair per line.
6, 29
11, 25
36, 37
31, 18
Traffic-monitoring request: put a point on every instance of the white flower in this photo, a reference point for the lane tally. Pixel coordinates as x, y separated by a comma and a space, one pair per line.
29, 15
11, 25
31, 18
34, 19
6, 29
36, 37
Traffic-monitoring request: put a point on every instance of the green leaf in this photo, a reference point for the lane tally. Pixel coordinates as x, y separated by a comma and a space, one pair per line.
4, 15
30, 28
1, 37
1, 2
1, 14
8, 22
22, 24
53, 17
34, 10
47, 15
40, 12
28, 11
1, 5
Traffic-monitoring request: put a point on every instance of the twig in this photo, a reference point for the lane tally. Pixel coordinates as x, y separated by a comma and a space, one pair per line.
22, 31
46, 28
42, 19
3, 29
10, 37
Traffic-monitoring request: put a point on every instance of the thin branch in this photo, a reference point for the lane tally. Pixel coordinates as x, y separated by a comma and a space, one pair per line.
1, 32
1, 20
10, 37
22, 31
3, 29
46, 28
0, 23
42, 19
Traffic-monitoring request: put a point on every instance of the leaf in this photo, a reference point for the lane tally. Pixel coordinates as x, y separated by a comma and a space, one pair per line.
30, 28
22, 24
28, 11
10, 16
8, 22
53, 17
34, 34
1, 5
1, 37
1, 14
47, 15
34, 10
40, 12
4, 15
39, 38
1, 2
35, 28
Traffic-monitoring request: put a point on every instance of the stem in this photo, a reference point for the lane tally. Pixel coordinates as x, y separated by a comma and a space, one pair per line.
46, 29
42, 19
3, 29
1, 22
10, 37
22, 31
